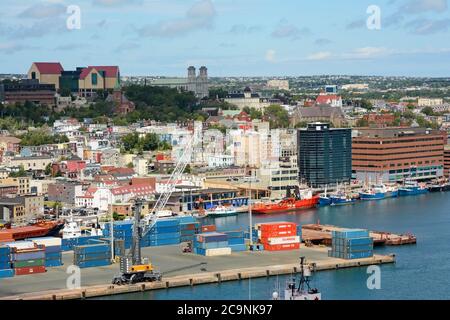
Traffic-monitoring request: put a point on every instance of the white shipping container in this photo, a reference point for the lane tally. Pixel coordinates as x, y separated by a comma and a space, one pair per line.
284, 240
48, 241
218, 252
20, 245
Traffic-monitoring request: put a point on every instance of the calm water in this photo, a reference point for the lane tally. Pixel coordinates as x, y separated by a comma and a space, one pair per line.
422, 271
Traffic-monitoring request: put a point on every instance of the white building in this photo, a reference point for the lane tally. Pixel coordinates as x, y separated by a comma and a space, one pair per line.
428, 102
278, 84
220, 161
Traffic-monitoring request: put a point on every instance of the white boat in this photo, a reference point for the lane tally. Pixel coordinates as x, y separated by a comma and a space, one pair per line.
304, 290
221, 211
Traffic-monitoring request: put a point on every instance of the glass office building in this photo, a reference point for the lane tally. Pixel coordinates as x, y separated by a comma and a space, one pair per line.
324, 155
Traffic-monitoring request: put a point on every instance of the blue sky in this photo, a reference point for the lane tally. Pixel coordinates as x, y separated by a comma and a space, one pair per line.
231, 37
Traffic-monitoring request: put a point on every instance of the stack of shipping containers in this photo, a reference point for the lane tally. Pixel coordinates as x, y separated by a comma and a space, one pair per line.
278, 236
93, 255
53, 251
27, 258
211, 244
236, 240
5, 262
351, 244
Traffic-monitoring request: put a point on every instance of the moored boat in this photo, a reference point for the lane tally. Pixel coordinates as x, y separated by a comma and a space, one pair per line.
287, 204
379, 192
412, 188
221, 211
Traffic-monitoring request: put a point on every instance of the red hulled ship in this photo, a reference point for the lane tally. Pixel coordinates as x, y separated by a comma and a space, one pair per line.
38, 229
301, 200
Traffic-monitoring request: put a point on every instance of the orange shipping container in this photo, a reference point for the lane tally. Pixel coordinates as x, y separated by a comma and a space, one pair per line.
211, 228
277, 226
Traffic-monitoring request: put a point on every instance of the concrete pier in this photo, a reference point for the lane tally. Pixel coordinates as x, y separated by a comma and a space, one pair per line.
239, 266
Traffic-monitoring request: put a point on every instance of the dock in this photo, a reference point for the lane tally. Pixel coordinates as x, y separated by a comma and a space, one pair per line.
178, 270
321, 234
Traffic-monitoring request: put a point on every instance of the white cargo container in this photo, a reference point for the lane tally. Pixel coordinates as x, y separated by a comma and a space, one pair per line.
218, 252
21, 245
48, 241
284, 240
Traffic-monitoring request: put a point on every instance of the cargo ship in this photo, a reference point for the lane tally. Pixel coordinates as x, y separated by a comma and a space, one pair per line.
39, 229
379, 192
307, 200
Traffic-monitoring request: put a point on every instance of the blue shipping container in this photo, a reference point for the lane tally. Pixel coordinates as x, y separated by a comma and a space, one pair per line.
166, 242
167, 223
5, 265
28, 256
238, 247
5, 258
53, 255
212, 245
164, 236
93, 263
358, 241
236, 241
92, 248
6, 273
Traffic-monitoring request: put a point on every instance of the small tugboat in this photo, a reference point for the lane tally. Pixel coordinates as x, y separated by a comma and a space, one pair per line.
340, 199
304, 290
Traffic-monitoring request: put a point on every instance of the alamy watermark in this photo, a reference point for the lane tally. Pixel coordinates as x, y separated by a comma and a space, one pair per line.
74, 280
374, 280
73, 22
373, 22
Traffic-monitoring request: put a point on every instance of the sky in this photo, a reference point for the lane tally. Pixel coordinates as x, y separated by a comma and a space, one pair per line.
230, 37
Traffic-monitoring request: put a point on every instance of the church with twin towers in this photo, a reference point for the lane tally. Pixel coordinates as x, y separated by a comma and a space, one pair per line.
198, 83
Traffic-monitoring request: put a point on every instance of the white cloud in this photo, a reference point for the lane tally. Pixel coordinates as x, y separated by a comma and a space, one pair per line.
287, 30
427, 26
43, 11
10, 48
366, 53
420, 6
271, 55
115, 3
200, 16
319, 56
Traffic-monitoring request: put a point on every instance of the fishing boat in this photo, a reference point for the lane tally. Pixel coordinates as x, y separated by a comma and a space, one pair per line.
221, 211
412, 188
379, 192
301, 200
438, 186
340, 199
303, 291
324, 199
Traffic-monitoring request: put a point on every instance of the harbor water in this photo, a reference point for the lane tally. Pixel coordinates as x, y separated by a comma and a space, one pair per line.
421, 271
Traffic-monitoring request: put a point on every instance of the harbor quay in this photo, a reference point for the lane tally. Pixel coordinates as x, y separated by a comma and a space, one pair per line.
178, 270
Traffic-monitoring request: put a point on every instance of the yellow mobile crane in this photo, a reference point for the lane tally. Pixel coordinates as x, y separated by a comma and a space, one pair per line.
134, 268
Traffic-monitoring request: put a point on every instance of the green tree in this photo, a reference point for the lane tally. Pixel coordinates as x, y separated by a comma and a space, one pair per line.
428, 111
20, 173
278, 116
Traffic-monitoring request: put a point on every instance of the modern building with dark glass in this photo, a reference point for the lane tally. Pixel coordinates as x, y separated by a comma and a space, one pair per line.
324, 155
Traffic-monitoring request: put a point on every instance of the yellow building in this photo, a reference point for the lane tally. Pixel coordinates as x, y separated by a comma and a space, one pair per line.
22, 183
94, 78
46, 72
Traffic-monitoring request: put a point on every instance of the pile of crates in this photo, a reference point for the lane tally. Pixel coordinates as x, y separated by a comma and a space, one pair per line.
5, 262
278, 236
92, 255
351, 244
53, 251
27, 258
211, 244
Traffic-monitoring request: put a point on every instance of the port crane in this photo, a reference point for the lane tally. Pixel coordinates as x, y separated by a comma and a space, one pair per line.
134, 268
